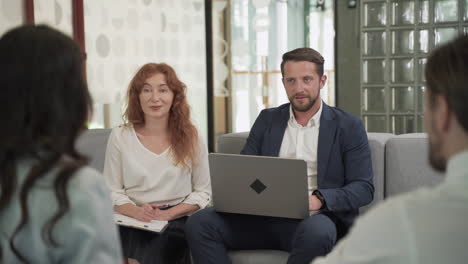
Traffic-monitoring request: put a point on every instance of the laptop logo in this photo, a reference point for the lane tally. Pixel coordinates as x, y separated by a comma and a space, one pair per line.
258, 186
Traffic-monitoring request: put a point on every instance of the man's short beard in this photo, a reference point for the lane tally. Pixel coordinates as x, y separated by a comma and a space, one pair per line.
302, 108
437, 162
436, 159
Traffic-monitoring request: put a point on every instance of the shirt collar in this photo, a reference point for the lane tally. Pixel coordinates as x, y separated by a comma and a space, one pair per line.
314, 121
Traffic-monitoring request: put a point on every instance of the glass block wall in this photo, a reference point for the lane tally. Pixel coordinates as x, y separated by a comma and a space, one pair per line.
396, 37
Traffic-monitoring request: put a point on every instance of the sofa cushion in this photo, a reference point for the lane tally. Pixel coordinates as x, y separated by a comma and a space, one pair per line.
407, 165
93, 143
258, 256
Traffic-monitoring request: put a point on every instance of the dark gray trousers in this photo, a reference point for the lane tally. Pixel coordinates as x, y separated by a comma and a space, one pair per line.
211, 234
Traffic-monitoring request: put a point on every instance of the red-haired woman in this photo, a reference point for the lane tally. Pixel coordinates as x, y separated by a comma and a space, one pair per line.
157, 165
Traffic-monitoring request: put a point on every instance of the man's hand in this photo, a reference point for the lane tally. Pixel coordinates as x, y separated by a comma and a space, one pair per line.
314, 203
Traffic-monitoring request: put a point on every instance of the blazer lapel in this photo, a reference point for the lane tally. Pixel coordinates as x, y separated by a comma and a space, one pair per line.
278, 128
327, 133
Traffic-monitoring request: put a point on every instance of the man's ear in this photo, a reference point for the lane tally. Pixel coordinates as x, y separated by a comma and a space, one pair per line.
323, 80
441, 113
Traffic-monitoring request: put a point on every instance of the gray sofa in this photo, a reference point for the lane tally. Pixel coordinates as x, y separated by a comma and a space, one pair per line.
399, 163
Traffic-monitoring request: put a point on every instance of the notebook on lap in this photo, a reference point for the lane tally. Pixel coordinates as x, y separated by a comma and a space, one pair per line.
153, 226
258, 185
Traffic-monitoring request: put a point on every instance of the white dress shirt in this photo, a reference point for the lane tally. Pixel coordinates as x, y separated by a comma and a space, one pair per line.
137, 175
301, 142
425, 226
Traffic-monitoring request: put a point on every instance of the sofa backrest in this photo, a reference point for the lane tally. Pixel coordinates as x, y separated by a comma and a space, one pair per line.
377, 143
93, 143
232, 143
399, 163
407, 165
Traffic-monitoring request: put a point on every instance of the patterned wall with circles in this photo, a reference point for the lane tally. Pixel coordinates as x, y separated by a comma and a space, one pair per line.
11, 14
55, 13
122, 35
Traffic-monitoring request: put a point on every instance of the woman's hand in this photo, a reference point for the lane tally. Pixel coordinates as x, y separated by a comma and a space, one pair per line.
175, 212
144, 213
164, 215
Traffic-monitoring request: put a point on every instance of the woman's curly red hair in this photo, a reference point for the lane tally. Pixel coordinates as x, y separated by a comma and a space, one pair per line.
183, 134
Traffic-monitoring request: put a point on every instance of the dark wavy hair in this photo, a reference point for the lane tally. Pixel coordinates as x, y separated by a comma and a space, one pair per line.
47, 103
183, 133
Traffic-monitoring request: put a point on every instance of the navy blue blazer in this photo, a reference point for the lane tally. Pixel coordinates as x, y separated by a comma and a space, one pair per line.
344, 167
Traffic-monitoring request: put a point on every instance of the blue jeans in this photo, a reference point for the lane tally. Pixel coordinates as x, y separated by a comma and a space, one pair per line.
211, 234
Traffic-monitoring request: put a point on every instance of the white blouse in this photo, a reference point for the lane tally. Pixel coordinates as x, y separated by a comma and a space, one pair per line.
137, 175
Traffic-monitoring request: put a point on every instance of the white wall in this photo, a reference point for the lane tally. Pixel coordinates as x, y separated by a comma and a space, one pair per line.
56, 13
11, 14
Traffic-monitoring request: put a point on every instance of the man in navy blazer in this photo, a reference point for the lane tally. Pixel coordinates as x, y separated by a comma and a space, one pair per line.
334, 145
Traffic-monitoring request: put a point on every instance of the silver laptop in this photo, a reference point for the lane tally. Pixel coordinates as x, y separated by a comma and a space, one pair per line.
258, 185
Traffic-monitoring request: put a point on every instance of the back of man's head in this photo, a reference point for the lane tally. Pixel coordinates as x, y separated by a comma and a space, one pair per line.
304, 54
447, 76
